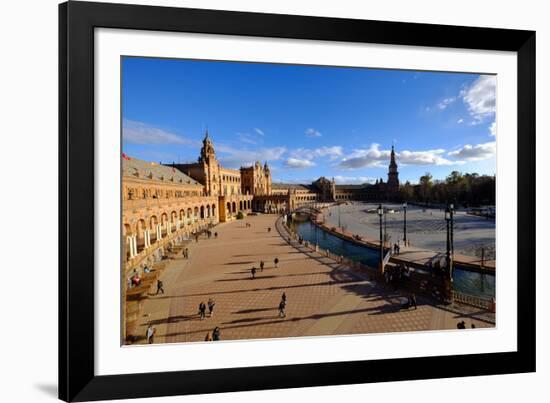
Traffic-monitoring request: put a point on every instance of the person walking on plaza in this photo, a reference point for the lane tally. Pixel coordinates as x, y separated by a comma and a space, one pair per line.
211, 305
150, 334
282, 306
160, 287
202, 310
276, 261
253, 272
216, 235
283, 297
208, 337
262, 265
268, 229
187, 253
216, 334
413, 300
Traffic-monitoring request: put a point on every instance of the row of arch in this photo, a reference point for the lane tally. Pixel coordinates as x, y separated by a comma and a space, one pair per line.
145, 232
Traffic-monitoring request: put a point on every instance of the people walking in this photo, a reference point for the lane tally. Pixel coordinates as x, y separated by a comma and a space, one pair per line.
211, 305
253, 272
268, 229
150, 334
413, 300
202, 310
262, 265
216, 235
208, 337
276, 261
282, 306
160, 287
216, 334
283, 297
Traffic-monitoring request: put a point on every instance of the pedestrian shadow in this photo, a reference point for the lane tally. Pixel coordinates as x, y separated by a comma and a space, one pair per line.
258, 277
243, 311
174, 319
235, 263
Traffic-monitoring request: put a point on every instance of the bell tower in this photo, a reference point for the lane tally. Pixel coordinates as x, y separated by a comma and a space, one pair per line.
207, 151
393, 175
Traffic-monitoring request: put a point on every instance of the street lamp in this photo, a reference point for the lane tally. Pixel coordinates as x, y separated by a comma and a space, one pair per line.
380, 211
405, 223
452, 213
450, 248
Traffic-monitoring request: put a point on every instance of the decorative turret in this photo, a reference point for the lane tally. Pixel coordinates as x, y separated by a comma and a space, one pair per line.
207, 150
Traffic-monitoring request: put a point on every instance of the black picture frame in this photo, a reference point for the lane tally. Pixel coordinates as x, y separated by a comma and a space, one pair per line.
77, 21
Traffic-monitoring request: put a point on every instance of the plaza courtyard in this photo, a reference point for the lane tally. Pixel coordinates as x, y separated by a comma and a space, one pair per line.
323, 297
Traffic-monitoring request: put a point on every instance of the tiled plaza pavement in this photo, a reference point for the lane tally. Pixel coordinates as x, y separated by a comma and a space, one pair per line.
323, 297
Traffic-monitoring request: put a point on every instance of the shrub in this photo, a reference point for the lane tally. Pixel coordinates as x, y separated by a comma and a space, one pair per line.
240, 215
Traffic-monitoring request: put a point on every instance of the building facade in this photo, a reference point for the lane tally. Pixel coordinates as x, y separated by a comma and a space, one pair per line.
160, 207
224, 183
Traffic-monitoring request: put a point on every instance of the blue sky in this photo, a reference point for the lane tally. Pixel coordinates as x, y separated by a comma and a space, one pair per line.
310, 121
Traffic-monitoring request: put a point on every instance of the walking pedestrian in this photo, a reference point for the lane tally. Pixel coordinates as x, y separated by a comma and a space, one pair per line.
208, 337
211, 304
253, 272
262, 265
150, 334
268, 229
202, 310
160, 287
282, 307
276, 261
216, 334
413, 300
216, 235
283, 297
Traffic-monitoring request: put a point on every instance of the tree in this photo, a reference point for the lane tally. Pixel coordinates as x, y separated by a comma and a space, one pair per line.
426, 186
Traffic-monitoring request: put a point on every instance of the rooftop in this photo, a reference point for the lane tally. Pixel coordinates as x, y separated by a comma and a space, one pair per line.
133, 167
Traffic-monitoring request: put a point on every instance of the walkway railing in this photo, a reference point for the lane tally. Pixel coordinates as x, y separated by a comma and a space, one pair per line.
472, 300
421, 281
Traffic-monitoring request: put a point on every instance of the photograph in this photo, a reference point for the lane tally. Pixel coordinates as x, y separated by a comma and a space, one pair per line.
265, 200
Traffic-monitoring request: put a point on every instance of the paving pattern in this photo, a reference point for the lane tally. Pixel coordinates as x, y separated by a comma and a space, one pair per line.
323, 298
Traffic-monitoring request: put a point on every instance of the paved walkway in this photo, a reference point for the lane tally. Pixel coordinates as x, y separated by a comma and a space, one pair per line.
323, 298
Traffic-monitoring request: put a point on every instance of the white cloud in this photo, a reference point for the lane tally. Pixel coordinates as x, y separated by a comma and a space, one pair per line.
428, 157
247, 138
370, 157
459, 121
259, 131
374, 157
493, 128
446, 102
313, 133
142, 133
332, 152
298, 163
480, 98
475, 153
353, 180
235, 158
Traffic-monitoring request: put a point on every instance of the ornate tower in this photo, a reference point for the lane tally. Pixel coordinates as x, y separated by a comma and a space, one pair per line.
393, 176
207, 150
267, 174
210, 167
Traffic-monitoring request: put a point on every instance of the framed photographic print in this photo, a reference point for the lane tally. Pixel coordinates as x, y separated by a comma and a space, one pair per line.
257, 201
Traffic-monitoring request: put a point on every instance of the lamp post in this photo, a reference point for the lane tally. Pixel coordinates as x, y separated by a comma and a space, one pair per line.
380, 212
451, 224
405, 223
449, 254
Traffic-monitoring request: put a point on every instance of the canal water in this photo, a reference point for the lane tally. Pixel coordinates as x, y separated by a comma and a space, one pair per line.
465, 281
